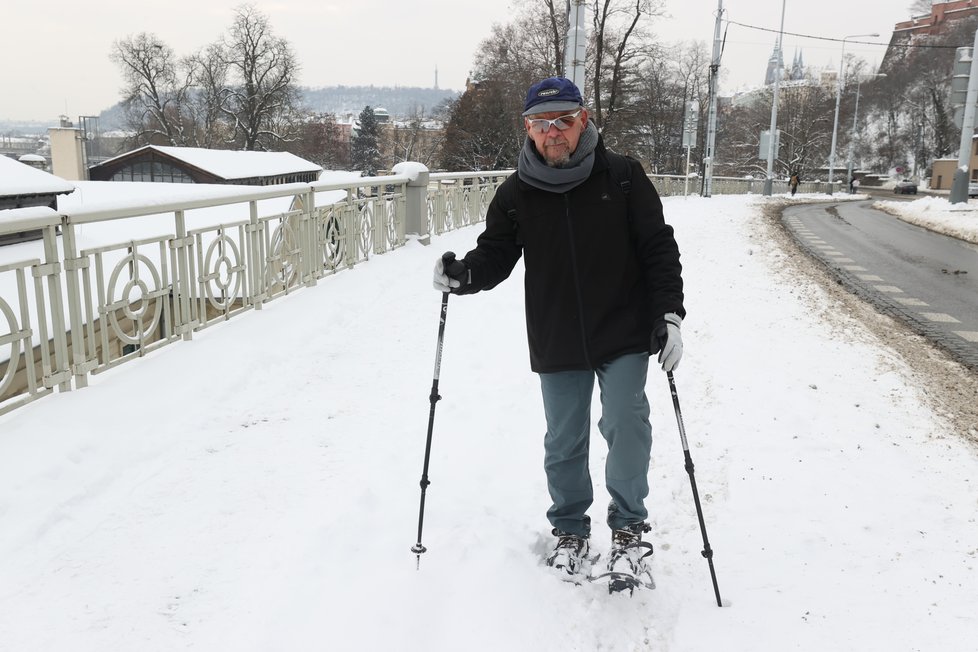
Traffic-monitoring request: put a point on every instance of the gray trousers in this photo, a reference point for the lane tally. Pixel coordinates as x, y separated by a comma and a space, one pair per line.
625, 426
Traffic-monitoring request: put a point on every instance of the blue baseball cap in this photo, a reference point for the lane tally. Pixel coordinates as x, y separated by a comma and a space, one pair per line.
552, 94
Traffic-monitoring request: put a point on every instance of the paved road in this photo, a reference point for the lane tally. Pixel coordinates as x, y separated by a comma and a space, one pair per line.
928, 280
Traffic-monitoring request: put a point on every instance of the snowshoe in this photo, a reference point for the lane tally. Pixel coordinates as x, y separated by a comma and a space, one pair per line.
627, 568
571, 558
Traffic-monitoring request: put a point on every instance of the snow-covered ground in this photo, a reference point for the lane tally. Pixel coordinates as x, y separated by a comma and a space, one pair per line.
257, 487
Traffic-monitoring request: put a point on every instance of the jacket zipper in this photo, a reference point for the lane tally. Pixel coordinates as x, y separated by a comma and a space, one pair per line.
577, 281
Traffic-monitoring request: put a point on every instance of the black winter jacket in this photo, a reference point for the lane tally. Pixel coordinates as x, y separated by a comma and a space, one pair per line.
601, 265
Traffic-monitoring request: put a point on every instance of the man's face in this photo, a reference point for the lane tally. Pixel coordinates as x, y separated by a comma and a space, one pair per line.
554, 144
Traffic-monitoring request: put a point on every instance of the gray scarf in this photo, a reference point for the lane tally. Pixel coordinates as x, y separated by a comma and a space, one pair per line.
533, 169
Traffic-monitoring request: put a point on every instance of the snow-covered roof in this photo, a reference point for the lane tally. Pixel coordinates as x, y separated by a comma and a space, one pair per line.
19, 179
232, 164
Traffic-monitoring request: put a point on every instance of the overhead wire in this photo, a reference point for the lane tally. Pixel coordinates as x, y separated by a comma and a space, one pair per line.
839, 40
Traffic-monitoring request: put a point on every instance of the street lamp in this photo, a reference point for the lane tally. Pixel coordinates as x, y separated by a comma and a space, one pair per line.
838, 97
855, 112
769, 177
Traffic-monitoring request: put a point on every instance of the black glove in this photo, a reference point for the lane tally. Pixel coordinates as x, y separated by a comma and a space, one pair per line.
667, 339
450, 274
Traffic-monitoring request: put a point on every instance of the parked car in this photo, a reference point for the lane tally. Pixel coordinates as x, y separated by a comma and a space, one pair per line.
973, 189
905, 187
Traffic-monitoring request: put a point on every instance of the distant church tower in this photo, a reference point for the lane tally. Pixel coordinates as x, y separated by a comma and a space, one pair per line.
774, 64
797, 67
436, 78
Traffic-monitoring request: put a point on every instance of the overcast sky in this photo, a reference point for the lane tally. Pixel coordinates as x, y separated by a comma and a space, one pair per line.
54, 54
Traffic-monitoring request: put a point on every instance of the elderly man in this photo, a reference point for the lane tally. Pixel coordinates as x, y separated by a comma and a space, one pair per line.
603, 291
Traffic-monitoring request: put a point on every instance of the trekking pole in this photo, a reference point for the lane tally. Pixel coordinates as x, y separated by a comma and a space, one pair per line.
418, 548
707, 551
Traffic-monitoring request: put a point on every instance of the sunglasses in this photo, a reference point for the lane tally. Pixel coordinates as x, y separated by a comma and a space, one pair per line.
563, 122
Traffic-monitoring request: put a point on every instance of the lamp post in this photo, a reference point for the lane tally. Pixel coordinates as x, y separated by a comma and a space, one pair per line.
769, 176
838, 98
576, 43
711, 120
855, 112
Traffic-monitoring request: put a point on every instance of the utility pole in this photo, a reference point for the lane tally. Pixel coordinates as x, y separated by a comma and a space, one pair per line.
575, 47
772, 134
959, 187
852, 135
711, 119
691, 117
838, 100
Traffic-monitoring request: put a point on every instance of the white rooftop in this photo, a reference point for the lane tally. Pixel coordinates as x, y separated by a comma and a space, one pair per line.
19, 179
232, 164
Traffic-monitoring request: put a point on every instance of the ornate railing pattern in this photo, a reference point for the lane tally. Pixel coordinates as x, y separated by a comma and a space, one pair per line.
33, 310
459, 199
67, 313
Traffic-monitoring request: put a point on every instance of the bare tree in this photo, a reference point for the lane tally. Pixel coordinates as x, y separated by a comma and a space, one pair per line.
805, 117
621, 90
154, 93
483, 132
260, 99
619, 48
521, 52
208, 75
655, 132
238, 92
558, 30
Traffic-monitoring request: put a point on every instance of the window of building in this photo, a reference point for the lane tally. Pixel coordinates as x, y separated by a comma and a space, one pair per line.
155, 171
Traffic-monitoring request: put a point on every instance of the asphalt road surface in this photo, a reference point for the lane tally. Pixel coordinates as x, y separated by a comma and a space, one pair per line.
928, 280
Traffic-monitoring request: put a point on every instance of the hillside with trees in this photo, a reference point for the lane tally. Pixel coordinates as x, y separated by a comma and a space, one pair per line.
400, 101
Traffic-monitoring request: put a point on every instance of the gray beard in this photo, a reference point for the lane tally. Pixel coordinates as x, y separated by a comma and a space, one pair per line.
560, 162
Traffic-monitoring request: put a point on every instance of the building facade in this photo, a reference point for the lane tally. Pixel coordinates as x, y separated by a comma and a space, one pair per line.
159, 164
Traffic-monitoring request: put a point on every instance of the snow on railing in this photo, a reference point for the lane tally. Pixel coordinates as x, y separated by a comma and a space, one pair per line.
107, 285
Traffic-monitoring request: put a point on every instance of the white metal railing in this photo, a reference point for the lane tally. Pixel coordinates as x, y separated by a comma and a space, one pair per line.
458, 199
34, 300
77, 305
69, 311
669, 185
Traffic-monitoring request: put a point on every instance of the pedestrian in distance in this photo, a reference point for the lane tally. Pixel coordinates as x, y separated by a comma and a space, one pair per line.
603, 291
793, 183
855, 185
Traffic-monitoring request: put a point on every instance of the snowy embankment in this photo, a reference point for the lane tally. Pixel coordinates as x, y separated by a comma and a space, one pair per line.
937, 214
257, 488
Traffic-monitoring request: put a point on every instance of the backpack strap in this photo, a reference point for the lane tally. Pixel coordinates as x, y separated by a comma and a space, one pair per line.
620, 168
